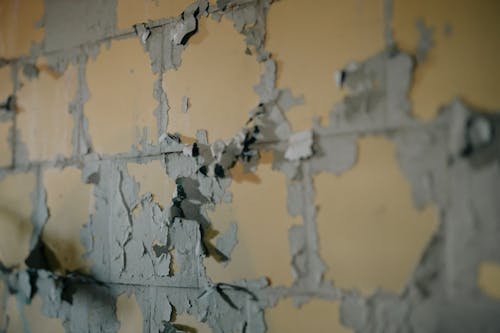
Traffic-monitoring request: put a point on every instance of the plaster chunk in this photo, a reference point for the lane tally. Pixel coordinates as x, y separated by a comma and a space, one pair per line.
300, 146
227, 241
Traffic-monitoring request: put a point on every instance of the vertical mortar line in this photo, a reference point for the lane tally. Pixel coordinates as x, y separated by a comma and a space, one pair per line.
71, 109
3, 307
39, 195
198, 261
13, 143
387, 14
389, 44
309, 217
13, 140
78, 119
77, 107
151, 290
160, 130
450, 234
385, 80
163, 118
109, 195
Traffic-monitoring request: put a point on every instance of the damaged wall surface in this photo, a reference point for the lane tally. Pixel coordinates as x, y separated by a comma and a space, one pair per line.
249, 166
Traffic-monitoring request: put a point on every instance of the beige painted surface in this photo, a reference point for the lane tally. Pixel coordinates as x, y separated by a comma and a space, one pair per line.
370, 234
311, 41
5, 149
18, 20
121, 84
5, 83
464, 63
218, 78
315, 316
129, 314
15, 214
68, 200
44, 121
259, 208
189, 322
5, 91
37, 322
489, 278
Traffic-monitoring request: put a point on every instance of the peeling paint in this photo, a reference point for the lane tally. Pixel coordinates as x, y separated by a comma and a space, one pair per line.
156, 251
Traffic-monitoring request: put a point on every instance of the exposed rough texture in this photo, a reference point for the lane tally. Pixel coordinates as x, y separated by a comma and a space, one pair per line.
81, 140
156, 250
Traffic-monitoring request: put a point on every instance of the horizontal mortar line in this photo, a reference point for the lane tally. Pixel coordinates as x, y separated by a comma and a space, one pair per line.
317, 294
125, 33
75, 161
285, 291
151, 285
339, 133
334, 294
374, 131
78, 160
125, 157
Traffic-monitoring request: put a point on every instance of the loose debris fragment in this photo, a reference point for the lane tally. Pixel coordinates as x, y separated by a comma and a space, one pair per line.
299, 146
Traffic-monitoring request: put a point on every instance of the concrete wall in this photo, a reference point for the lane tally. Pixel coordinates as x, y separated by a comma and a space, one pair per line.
249, 166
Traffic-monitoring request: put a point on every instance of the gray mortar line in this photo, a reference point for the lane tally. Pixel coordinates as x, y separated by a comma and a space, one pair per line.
309, 216
333, 294
151, 285
13, 142
77, 161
